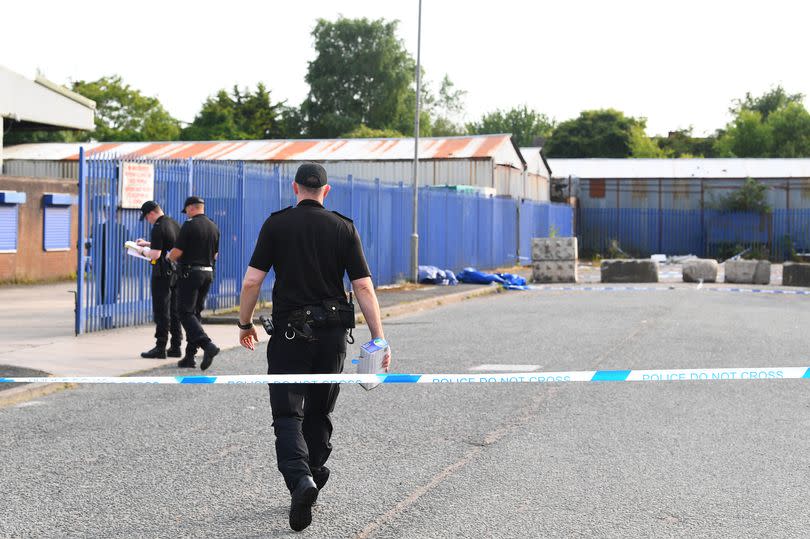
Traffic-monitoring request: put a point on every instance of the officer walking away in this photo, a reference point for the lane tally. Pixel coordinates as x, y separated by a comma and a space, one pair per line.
195, 252
310, 249
164, 280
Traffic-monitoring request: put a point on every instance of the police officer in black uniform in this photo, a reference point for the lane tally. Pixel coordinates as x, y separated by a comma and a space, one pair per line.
195, 253
310, 249
164, 280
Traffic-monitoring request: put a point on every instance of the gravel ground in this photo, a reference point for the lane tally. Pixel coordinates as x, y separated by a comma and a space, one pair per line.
681, 459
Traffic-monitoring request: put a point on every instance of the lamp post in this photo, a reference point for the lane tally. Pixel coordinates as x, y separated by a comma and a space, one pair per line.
415, 231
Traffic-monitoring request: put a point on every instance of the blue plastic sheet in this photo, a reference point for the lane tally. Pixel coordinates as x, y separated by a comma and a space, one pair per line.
434, 275
507, 280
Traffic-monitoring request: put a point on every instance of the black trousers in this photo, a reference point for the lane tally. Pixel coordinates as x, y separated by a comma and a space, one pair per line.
301, 412
166, 313
192, 291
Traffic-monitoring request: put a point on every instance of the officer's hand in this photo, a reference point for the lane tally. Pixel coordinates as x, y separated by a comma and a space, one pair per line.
386, 362
140, 242
248, 338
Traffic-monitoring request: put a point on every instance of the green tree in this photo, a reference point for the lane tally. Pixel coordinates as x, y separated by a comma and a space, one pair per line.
600, 133
790, 131
122, 114
682, 143
642, 146
775, 124
528, 127
775, 99
751, 196
364, 131
239, 115
445, 109
362, 75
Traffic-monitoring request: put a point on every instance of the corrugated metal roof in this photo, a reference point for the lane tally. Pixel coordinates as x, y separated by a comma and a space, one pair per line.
681, 168
535, 162
496, 147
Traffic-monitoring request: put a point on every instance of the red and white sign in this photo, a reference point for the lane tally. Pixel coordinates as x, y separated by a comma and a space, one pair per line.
136, 184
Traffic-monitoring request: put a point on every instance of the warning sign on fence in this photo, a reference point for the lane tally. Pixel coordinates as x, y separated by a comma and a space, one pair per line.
136, 185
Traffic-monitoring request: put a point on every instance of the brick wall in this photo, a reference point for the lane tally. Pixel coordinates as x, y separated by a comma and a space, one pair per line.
31, 263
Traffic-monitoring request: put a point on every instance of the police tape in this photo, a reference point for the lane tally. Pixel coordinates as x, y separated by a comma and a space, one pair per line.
543, 288
669, 375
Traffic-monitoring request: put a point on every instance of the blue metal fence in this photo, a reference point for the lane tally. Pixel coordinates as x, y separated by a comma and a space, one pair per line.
455, 229
706, 233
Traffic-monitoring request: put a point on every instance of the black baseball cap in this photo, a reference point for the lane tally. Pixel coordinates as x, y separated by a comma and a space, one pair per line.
191, 200
148, 206
311, 175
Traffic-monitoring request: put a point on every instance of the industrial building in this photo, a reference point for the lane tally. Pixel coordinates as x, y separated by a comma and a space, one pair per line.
679, 184
486, 161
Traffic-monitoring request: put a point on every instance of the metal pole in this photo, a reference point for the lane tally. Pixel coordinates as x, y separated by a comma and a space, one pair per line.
80, 257
415, 232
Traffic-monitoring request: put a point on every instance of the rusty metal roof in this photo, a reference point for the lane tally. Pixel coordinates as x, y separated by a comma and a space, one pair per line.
496, 147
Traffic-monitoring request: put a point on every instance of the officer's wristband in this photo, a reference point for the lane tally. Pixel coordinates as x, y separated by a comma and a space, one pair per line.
244, 326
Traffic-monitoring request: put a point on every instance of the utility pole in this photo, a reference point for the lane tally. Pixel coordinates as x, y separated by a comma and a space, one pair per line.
415, 231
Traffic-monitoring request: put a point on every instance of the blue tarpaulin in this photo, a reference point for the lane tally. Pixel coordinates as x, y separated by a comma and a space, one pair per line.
434, 275
508, 280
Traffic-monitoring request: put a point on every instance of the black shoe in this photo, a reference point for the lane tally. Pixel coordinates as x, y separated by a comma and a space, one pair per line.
320, 476
187, 363
209, 353
154, 353
174, 351
303, 497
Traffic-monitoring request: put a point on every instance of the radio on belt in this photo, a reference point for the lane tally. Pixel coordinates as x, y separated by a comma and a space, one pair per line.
372, 354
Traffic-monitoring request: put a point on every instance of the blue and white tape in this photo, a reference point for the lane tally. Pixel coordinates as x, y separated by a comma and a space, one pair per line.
667, 375
666, 288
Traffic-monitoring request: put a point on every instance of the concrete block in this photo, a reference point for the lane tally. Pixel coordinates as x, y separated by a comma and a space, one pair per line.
700, 269
795, 274
554, 249
554, 271
748, 271
629, 271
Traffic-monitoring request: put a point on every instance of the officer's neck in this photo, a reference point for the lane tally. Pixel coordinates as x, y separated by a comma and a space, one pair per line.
310, 200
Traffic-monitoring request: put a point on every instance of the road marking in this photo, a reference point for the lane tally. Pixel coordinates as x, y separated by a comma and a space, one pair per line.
497, 367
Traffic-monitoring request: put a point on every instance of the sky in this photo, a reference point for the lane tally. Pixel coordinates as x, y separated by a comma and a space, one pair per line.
678, 64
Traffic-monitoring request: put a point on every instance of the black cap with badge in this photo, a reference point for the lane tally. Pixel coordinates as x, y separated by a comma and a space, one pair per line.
148, 206
311, 175
192, 200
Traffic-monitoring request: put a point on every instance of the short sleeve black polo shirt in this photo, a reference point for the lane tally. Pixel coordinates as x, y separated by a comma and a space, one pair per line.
310, 249
164, 234
199, 241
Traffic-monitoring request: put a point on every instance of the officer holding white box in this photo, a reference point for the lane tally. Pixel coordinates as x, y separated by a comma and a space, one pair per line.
310, 249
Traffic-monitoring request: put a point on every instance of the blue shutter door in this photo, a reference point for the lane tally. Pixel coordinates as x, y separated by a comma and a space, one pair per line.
8, 227
57, 228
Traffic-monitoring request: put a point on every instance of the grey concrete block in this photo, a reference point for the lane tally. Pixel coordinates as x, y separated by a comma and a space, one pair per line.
554, 271
700, 269
629, 271
748, 271
795, 274
554, 249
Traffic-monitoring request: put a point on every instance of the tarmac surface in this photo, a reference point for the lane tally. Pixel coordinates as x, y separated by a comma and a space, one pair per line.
668, 459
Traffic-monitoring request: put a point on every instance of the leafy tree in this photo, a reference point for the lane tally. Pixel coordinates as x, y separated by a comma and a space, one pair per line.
366, 132
445, 109
682, 143
775, 124
643, 146
122, 114
599, 133
751, 196
775, 99
790, 131
239, 115
528, 127
362, 75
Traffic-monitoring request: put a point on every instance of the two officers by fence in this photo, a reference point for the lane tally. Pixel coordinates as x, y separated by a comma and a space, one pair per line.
310, 249
182, 272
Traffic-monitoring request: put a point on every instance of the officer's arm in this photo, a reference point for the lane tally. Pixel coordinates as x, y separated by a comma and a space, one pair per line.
151, 254
174, 255
251, 287
367, 298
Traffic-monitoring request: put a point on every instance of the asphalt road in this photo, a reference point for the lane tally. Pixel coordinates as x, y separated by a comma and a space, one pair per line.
684, 459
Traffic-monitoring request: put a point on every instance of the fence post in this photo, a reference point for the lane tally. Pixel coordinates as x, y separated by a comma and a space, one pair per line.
377, 228
190, 177
240, 216
80, 259
350, 180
